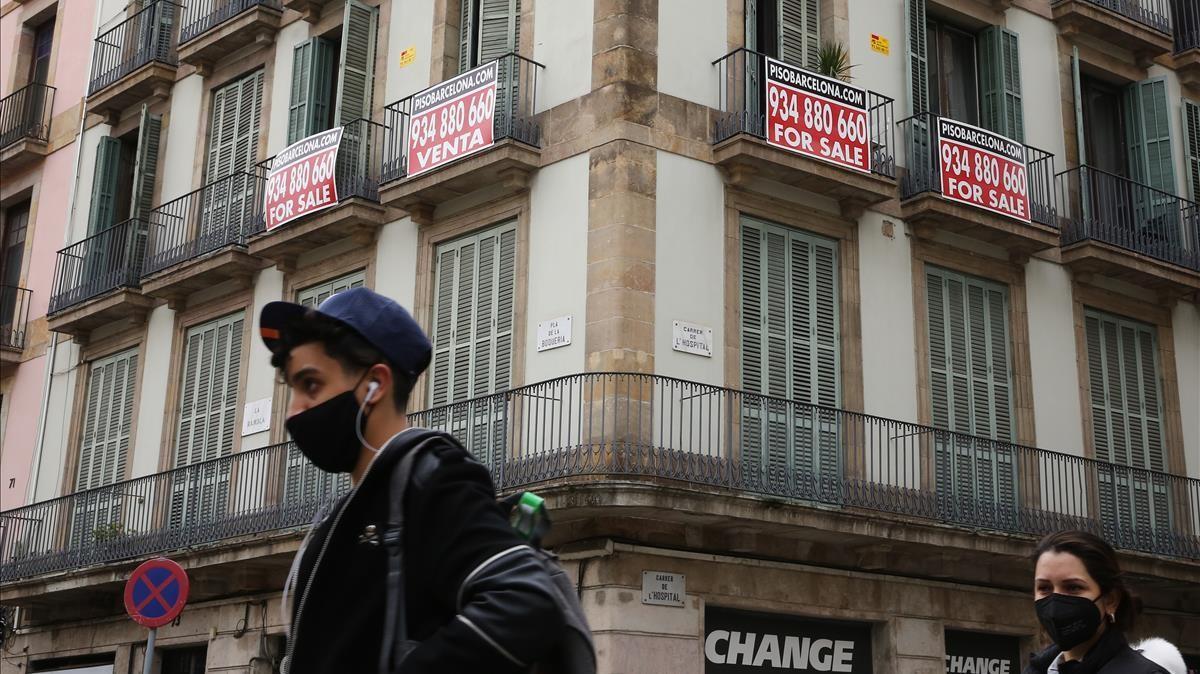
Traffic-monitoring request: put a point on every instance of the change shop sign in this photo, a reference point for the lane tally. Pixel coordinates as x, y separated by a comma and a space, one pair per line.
303, 178
817, 116
744, 641
983, 169
453, 119
977, 653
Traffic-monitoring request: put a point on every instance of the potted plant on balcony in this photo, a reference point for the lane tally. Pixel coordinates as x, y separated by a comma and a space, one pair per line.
833, 60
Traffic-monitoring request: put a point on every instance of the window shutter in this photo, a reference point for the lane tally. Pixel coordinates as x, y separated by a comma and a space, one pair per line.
499, 28
356, 84
208, 395
107, 428
1000, 82
165, 24
1149, 130
234, 127
146, 169
102, 210
799, 36
466, 35
312, 78
918, 57
1191, 125
313, 296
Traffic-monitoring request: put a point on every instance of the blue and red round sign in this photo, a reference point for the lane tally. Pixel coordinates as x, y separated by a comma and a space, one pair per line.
156, 592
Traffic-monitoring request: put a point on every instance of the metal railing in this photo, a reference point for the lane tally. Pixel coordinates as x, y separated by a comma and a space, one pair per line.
1154, 14
922, 172
1186, 17
200, 16
1101, 206
742, 104
515, 113
145, 37
14, 316
26, 113
221, 213
102, 262
619, 426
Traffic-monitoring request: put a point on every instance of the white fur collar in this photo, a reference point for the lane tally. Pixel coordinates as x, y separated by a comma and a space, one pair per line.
1163, 653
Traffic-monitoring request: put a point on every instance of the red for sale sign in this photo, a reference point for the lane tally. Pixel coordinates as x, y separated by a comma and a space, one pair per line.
983, 169
303, 178
817, 116
453, 119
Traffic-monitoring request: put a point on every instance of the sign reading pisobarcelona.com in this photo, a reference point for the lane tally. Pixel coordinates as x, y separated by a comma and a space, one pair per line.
303, 178
745, 642
452, 119
817, 116
983, 169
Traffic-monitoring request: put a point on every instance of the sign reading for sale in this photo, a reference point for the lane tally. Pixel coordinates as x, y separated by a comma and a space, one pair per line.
302, 178
452, 119
983, 169
817, 116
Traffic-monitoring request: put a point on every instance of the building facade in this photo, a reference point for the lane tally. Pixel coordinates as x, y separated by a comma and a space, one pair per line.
790, 413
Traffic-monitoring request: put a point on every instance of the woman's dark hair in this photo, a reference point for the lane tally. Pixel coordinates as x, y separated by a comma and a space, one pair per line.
341, 343
1100, 560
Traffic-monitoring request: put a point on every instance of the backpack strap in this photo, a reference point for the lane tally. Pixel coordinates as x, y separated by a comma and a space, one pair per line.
396, 644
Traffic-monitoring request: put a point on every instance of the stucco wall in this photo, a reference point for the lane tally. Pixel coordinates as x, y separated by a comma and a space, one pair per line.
260, 376
409, 27
185, 139
1052, 357
1186, 321
562, 41
280, 92
889, 346
687, 47
154, 362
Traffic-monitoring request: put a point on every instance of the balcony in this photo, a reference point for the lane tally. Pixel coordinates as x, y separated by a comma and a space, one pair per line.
926, 209
605, 446
134, 61
358, 214
25, 125
507, 164
1117, 227
1187, 41
210, 30
96, 281
14, 322
199, 240
1142, 27
740, 144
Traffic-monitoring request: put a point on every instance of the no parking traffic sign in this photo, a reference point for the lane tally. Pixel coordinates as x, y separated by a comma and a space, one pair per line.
156, 592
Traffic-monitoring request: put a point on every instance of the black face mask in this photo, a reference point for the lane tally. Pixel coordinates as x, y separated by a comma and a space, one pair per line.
328, 434
1069, 620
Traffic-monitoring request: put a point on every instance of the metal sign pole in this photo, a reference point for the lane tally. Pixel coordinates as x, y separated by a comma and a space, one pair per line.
149, 660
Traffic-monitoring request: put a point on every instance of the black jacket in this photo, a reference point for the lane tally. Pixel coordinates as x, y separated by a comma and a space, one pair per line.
475, 602
1110, 655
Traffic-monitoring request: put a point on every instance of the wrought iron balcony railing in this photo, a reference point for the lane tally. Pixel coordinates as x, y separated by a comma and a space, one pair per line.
1154, 14
631, 427
222, 213
742, 103
923, 170
1186, 20
1100, 206
515, 115
26, 113
145, 37
14, 316
200, 16
102, 262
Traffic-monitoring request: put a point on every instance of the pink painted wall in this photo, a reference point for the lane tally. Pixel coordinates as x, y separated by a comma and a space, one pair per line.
16, 450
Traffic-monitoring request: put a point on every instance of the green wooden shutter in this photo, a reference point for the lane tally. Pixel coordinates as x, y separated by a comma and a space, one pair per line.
356, 83
1124, 387
145, 171
466, 35
799, 32
1191, 125
104, 448
1000, 82
1147, 115
499, 29
312, 80
918, 56
102, 209
313, 296
790, 352
234, 127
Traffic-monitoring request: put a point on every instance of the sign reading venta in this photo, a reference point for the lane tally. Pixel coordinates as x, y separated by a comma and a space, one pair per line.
983, 169
302, 178
452, 119
744, 641
976, 653
817, 116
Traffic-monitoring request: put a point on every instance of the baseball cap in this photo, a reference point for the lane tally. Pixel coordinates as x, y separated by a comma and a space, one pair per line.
385, 325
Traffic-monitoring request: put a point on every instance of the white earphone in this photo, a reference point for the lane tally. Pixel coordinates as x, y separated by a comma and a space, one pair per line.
372, 386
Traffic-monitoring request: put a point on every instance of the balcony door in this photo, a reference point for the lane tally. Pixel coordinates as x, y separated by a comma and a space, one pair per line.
12, 256
229, 206
489, 29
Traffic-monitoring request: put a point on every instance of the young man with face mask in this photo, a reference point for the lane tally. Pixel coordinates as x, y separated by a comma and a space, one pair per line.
475, 600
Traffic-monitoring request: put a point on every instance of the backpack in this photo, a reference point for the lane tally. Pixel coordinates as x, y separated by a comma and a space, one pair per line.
573, 654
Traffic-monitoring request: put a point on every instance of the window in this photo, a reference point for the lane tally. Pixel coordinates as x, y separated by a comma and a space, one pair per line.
790, 351
190, 660
787, 30
234, 127
970, 383
1191, 120
323, 97
970, 76
43, 43
488, 30
313, 296
1124, 385
1127, 132
105, 438
125, 173
12, 255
